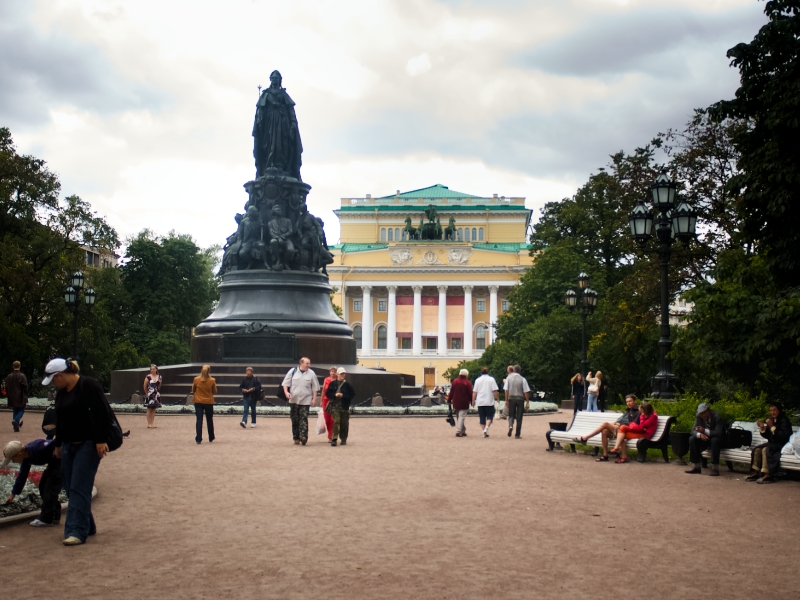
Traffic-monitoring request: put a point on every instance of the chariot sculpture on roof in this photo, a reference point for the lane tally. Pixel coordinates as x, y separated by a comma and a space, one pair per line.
432, 230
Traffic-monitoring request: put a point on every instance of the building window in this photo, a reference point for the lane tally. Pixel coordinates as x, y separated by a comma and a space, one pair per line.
405, 234
430, 343
455, 343
357, 305
480, 234
357, 336
391, 235
405, 343
474, 234
460, 234
481, 305
397, 234
382, 337
466, 234
480, 338
505, 305
383, 234
381, 305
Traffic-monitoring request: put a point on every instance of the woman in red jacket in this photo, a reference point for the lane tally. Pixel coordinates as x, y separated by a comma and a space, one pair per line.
645, 428
325, 384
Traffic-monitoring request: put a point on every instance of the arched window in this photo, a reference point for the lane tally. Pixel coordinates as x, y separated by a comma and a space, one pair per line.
474, 234
460, 234
480, 234
391, 234
480, 337
381, 337
397, 234
357, 336
466, 234
405, 233
383, 234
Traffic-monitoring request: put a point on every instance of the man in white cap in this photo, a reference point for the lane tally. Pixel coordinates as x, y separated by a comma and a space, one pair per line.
340, 394
708, 432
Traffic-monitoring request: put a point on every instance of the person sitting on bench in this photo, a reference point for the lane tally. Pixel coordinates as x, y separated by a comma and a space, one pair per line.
708, 432
767, 457
610, 430
644, 429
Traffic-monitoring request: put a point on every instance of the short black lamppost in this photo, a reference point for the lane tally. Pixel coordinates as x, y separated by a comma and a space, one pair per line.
588, 302
672, 222
72, 299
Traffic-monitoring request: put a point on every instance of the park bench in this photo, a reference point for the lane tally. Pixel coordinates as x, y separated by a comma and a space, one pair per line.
586, 422
790, 462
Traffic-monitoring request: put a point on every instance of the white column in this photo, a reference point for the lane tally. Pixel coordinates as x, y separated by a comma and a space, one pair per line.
492, 313
344, 304
366, 321
416, 340
391, 333
467, 319
441, 344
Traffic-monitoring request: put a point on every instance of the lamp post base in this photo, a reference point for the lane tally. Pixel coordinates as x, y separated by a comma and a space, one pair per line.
664, 386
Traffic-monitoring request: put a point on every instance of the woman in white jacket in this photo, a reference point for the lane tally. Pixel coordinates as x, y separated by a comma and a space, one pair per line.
593, 391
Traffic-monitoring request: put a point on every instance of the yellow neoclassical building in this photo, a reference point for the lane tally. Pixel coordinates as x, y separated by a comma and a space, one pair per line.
419, 306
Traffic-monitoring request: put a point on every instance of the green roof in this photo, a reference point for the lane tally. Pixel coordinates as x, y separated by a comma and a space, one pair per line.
433, 192
509, 247
421, 208
358, 247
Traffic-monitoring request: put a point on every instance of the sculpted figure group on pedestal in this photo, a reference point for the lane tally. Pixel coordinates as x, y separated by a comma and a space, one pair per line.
432, 230
276, 231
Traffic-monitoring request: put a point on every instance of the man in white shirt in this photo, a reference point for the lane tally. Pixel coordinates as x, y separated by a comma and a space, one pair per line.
517, 392
300, 387
484, 394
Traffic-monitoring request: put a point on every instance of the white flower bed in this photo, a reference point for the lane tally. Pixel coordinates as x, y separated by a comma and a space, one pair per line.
28, 500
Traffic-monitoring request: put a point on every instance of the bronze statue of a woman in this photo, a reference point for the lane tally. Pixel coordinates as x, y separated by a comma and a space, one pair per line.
276, 137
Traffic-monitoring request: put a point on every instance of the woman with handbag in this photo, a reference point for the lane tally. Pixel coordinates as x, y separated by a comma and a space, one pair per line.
152, 395
593, 391
82, 428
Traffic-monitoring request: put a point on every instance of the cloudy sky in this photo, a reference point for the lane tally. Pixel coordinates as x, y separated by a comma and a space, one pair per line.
145, 108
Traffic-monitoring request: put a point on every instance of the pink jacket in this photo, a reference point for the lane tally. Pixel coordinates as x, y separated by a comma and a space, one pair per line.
646, 425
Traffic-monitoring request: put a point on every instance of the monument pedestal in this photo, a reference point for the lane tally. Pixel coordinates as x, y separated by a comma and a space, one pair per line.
275, 317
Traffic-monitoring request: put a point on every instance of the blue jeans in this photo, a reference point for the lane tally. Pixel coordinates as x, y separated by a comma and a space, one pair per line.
591, 403
16, 414
249, 403
79, 464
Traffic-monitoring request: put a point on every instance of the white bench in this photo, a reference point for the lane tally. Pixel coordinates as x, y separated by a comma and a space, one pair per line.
585, 423
743, 455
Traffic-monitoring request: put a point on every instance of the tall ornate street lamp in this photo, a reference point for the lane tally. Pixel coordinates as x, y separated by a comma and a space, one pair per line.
671, 222
72, 299
588, 302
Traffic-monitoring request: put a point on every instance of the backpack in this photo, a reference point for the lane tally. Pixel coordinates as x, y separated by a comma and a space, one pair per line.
280, 394
115, 434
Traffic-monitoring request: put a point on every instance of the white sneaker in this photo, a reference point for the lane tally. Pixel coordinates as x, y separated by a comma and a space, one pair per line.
252, 425
485, 433
38, 523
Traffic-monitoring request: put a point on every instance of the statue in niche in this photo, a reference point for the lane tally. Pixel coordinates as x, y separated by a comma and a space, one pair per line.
309, 240
249, 236
276, 143
326, 257
280, 243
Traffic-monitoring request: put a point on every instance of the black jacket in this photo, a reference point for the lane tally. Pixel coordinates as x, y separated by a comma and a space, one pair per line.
348, 393
82, 414
715, 423
782, 432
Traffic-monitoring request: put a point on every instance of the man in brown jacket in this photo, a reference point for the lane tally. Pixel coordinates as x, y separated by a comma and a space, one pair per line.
17, 390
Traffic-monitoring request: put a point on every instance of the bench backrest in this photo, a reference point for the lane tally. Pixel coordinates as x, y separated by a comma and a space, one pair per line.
758, 439
586, 422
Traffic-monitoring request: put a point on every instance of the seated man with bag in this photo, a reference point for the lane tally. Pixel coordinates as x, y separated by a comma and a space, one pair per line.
766, 458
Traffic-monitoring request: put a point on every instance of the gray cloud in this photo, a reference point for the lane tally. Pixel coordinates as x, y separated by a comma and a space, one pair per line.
636, 41
39, 71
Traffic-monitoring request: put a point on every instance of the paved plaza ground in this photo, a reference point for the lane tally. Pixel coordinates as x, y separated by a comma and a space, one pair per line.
405, 510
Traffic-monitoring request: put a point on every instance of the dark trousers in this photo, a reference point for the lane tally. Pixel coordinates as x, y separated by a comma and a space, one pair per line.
299, 416
341, 424
578, 404
79, 464
249, 403
516, 408
697, 446
208, 411
49, 490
